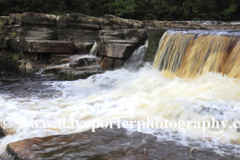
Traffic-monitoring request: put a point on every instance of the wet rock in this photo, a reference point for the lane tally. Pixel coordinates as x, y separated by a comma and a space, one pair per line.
107, 63
78, 73
110, 143
83, 47
4, 42
116, 50
58, 59
2, 132
54, 69
153, 35
47, 46
118, 63
38, 18
83, 61
29, 67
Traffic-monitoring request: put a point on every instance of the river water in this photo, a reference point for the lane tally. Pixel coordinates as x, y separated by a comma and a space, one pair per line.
125, 96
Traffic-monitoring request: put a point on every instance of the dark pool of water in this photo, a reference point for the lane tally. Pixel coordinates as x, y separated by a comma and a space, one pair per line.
18, 84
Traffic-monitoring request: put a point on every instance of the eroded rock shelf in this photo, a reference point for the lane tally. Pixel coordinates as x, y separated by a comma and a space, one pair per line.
42, 40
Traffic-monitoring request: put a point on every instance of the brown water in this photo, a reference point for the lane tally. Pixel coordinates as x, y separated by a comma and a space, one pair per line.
190, 54
190, 86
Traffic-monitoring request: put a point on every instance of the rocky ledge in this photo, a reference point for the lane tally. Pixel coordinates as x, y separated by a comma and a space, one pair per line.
35, 40
110, 143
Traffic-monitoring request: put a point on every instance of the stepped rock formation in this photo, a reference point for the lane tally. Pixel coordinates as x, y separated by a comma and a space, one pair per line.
37, 38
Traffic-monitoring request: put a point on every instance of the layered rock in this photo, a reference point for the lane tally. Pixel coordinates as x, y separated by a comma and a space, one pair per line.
47, 46
110, 143
30, 18
36, 38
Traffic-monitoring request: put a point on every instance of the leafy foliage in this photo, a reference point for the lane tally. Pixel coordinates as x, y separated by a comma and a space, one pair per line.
137, 9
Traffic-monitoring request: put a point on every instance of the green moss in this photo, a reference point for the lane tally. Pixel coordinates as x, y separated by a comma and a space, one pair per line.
13, 34
29, 59
10, 21
15, 55
2, 24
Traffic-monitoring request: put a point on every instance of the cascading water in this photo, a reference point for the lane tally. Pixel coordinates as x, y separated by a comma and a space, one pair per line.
188, 54
93, 51
137, 57
148, 93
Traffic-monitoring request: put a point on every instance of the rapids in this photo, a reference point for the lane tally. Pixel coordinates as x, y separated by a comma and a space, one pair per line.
138, 96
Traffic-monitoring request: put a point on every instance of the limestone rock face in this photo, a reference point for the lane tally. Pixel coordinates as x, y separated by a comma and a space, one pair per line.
44, 35
38, 18
114, 22
117, 50
78, 35
34, 32
47, 46
83, 47
78, 20
153, 35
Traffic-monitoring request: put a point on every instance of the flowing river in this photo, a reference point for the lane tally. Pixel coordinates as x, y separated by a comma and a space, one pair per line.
189, 88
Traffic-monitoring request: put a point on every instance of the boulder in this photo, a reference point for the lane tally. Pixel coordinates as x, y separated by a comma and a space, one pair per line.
116, 50
38, 18
110, 143
46, 46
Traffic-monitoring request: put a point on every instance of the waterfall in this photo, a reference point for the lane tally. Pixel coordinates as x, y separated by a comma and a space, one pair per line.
189, 54
137, 57
41, 71
93, 51
83, 61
